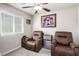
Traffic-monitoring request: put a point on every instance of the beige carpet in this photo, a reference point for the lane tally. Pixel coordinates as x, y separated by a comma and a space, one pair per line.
25, 52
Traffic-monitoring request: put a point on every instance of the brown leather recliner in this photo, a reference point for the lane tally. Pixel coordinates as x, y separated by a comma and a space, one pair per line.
35, 43
63, 45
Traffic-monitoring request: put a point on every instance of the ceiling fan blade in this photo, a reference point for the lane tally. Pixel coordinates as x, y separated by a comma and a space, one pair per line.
28, 7
36, 12
46, 9
44, 3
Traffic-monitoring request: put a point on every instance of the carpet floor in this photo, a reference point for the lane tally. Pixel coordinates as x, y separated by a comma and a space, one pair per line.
25, 52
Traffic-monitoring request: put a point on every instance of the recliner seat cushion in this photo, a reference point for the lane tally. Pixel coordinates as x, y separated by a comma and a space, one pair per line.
31, 43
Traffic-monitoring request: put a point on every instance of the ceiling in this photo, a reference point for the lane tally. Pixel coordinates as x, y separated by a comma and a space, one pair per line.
51, 6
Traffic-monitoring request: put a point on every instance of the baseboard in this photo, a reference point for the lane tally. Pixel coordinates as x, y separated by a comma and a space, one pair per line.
3, 54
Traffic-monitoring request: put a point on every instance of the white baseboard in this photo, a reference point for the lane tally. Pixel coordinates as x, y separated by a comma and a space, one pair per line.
10, 51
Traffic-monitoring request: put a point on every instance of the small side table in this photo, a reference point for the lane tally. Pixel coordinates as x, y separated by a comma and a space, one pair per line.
47, 41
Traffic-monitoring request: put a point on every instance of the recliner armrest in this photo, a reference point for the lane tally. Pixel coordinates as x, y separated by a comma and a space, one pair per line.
73, 45
25, 39
38, 44
76, 48
54, 42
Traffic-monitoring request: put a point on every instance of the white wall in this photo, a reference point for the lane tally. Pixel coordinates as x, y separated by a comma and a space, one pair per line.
78, 22
66, 20
13, 41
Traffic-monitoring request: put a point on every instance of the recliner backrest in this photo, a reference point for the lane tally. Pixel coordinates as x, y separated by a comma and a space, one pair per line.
63, 37
37, 35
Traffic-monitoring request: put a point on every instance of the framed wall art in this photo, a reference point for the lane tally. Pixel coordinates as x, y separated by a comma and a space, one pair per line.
28, 21
48, 21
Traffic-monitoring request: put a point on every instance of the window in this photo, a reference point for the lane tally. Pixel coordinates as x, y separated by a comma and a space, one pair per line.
7, 23
11, 23
18, 24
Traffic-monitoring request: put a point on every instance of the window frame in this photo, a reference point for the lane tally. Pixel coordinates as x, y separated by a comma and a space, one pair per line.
22, 25
13, 15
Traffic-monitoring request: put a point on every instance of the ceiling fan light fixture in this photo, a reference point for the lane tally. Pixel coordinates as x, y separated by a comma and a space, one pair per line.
38, 8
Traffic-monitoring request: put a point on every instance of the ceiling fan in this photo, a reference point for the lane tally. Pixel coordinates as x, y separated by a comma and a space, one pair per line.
38, 6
